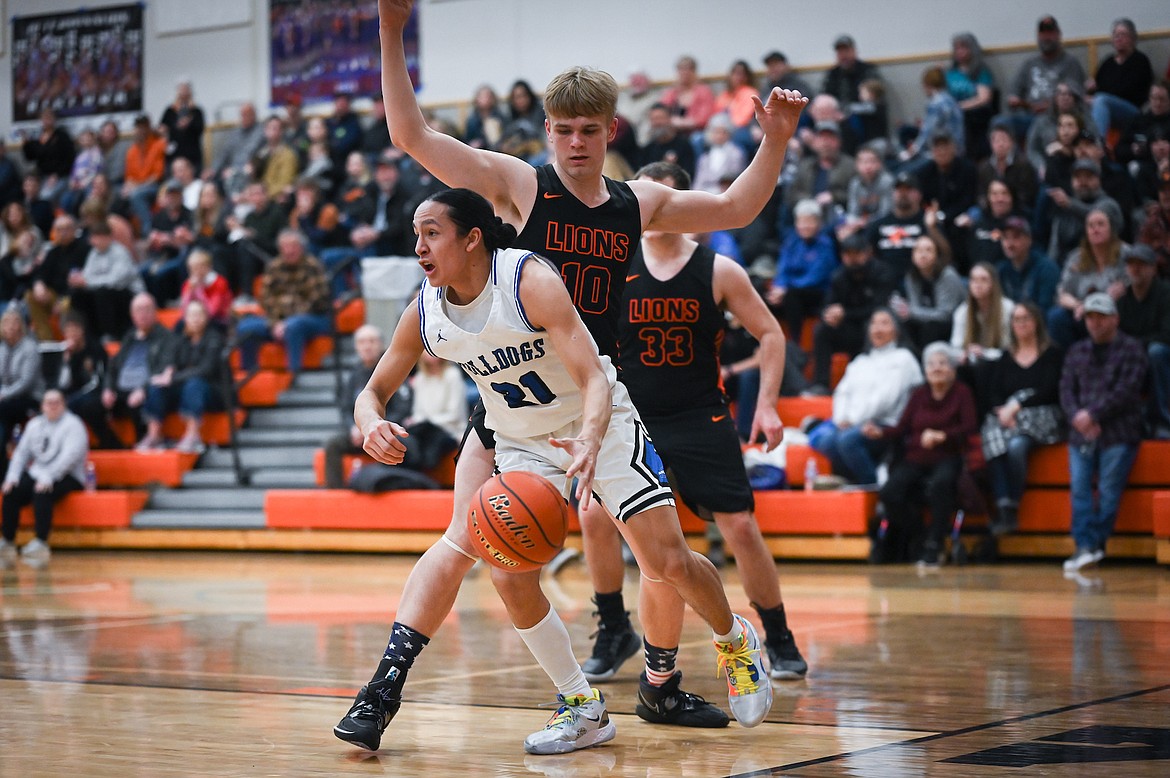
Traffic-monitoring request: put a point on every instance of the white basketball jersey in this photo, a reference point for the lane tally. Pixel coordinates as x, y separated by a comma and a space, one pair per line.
525, 387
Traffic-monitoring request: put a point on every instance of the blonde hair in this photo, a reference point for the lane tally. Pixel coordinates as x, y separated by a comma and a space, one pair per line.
988, 333
581, 91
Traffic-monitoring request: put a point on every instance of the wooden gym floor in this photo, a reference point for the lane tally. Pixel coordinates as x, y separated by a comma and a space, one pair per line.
238, 664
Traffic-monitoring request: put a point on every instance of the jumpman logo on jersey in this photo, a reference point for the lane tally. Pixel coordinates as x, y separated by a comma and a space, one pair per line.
441, 338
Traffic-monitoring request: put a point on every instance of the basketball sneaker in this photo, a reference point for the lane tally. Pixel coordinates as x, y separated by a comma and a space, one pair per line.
35, 553
668, 704
749, 690
373, 708
785, 659
611, 649
579, 722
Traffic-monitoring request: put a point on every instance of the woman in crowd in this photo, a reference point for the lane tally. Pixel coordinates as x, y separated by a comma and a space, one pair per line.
986, 228
1095, 266
191, 384
523, 134
1068, 97
971, 83
934, 429
15, 221
983, 320
736, 101
874, 389
1021, 391
934, 290
485, 123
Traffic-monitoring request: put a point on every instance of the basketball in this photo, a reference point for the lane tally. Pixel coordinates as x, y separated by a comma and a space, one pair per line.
518, 521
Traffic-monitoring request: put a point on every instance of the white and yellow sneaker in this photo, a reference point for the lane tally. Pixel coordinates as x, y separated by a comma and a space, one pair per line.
579, 722
749, 690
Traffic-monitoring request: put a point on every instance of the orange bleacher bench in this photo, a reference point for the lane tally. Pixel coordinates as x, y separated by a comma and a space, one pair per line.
350, 316
105, 509
1048, 465
793, 409
273, 357
214, 430
132, 468
408, 509
263, 389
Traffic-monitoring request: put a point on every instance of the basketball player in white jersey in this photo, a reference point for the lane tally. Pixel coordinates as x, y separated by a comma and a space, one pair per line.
558, 410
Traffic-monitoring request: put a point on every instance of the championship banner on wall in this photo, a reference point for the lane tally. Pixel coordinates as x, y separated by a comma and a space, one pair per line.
79, 63
320, 48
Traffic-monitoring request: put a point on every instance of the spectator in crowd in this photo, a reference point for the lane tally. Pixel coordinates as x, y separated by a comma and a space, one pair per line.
972, 85
779, 75
376, 135
21, 380
345, 129
1144, 313
1034, 84
101, 290
983, 225
184, 124
253, 241
17, 266
230, 166
274, 163
933, 291
80, 374
10, 179
941, 117
691, 102
1022, 398
50, 280
825, 175
39, 210
667, 143
147, 349
207, 287
190, 383
1070, 211
296, 133
1048, 143
1097, 265
893, 235
86, 165
368, 345
316, 218
439, 395
93, 212
113, 148
390, 233
295, 300
723, 158
874, 389
1101, 394
826, 108
871, 192
1122, 82
933, 430
736, 101
1155, 231
145, 167
209, 221
982, 322
807, 260
1007, 162
485, 123
870, 115
855, 290
1134, 143
948, 182
523, 135
51, 151
844, 79
1026, 274
171, 236
14, 223
317, 163
183, 173
48, 463
1115, 180
1152, 170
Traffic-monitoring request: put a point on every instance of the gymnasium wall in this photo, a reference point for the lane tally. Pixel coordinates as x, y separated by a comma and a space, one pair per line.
468, 42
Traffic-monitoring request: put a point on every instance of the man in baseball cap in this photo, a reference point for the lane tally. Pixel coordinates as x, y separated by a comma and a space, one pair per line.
844, 79
1025, 273
1144, 313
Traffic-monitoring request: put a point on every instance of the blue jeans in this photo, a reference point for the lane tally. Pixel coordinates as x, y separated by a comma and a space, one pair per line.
1159, 411
1010, 470
1111, 111
853, 455
142, 205
191, 397
253, 331
351, 278
1092, 521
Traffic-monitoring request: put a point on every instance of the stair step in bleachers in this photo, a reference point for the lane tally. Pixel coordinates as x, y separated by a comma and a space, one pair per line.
198, 519
275, 456
283, 478
280, 418
288, 435
210, 499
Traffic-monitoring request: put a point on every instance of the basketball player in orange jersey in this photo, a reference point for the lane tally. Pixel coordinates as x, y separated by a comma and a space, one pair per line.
545, 206
675, 298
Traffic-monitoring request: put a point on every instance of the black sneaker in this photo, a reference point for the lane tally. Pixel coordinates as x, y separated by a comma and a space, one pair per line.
785, 659
372, 710
668, 704
610, 650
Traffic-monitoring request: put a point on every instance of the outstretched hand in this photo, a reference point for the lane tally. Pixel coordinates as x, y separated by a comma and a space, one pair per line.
779, 116
584, 453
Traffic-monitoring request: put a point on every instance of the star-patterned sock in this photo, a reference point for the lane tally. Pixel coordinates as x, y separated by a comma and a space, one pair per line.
659, 663
404, 646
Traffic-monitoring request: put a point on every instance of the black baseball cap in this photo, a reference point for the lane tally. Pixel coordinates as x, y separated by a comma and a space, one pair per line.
1048, 23
855, 242
1018, 224
906, 178
774, 56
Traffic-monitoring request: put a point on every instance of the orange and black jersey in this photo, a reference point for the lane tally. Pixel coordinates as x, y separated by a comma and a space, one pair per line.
592, 247
670, 337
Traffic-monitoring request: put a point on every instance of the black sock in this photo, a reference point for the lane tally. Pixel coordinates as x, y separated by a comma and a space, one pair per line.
612, 609
659, 663
404, 646
775, 622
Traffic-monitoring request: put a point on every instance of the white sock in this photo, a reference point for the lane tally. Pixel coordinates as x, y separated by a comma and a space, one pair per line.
736, 631
549, 643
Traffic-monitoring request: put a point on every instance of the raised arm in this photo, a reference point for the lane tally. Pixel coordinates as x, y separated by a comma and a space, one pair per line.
733, 290
369, 409
674, 210
502, 179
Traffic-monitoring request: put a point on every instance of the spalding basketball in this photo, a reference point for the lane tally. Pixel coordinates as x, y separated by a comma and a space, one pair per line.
518, 521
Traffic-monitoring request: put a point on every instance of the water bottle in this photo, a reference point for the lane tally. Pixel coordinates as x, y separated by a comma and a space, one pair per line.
810, 473
90, 476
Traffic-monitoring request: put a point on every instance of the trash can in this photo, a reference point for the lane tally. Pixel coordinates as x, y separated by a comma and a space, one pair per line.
388, 285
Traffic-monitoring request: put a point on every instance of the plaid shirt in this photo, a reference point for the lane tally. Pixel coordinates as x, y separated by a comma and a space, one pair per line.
287, 290
1108, 385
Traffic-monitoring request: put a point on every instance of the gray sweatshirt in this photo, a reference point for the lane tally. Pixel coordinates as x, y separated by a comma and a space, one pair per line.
20, 369
113, 269
51, 450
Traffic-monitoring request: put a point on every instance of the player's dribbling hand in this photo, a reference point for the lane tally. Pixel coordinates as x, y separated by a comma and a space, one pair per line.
779, 116
394, 13
583, 468
383, 444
